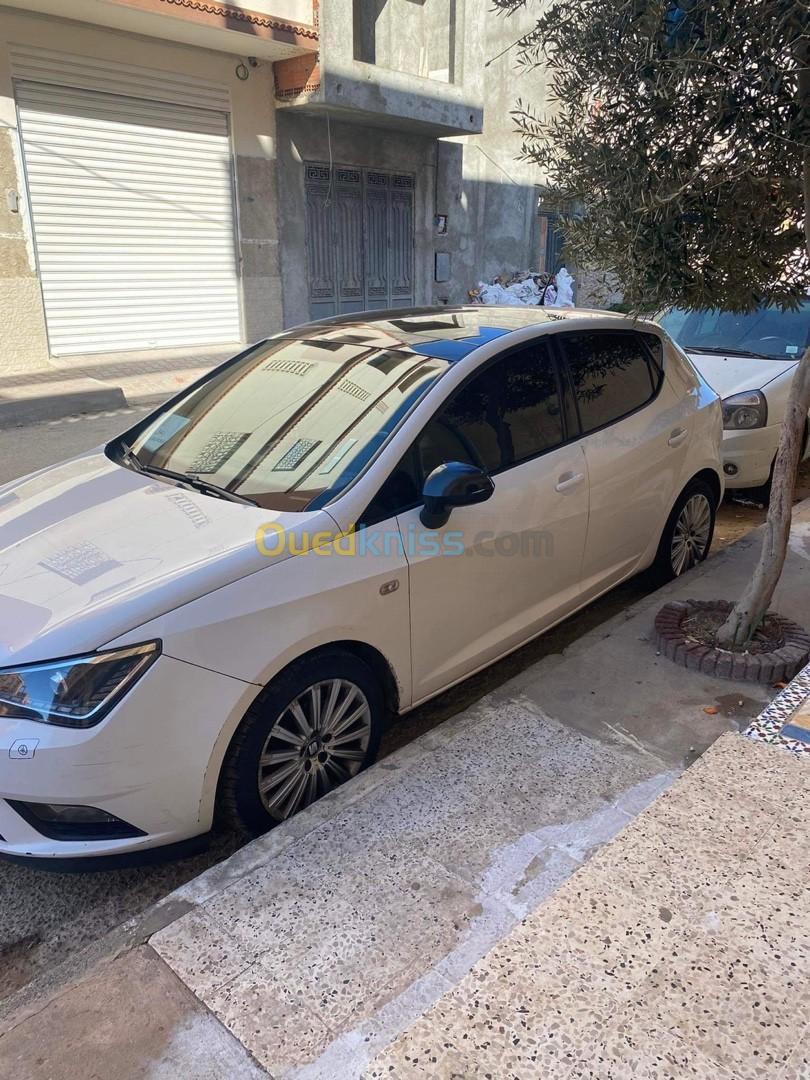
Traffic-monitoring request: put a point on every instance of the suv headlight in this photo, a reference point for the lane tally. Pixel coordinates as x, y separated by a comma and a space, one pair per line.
77, 692
742, 412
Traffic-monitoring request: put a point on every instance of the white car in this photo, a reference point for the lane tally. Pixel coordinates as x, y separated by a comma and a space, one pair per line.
219, 609
750, 361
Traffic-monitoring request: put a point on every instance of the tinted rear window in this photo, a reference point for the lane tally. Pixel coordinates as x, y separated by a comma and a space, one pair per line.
612, 374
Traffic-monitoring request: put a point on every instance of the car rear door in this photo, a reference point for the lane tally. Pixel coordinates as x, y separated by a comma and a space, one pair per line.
636, 429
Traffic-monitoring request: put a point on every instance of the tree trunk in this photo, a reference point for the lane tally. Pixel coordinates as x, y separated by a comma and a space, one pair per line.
751, 608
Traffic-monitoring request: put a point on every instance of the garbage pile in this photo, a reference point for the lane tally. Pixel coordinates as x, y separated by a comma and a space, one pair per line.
527, 288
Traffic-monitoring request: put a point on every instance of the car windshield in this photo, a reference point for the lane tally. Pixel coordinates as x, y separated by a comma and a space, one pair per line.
286, 425
769, 331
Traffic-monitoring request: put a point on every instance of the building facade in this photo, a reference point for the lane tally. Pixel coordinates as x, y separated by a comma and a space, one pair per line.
176, 173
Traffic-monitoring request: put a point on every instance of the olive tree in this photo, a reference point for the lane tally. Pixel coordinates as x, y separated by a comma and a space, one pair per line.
675, 138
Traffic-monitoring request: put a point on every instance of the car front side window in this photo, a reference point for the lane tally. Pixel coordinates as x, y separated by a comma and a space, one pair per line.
504, 415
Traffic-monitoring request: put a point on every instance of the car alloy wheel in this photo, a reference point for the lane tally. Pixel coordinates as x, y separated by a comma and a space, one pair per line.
692, 533
319, 741
314, 726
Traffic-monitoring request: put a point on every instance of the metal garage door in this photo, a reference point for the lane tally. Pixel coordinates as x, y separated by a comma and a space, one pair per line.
360, 239
132, 208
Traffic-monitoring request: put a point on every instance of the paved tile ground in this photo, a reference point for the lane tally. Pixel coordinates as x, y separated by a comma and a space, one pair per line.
786, 721
130, 1018
150, 374
680, 950
320, 956
90, 383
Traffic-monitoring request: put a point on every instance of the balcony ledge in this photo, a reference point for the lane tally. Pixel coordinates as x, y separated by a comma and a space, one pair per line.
370, 95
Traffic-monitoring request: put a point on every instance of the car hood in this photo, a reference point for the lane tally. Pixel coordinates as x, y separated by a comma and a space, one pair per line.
90, 549
732, 374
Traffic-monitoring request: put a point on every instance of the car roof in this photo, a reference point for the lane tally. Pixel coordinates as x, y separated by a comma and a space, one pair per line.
450, 333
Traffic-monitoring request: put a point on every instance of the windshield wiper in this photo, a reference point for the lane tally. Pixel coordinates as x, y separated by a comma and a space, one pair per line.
129, 457
731, 351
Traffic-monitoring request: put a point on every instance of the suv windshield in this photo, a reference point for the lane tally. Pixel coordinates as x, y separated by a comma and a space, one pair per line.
286, 425
769, 331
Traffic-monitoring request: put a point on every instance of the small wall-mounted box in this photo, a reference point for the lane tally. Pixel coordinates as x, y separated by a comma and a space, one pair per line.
442, 268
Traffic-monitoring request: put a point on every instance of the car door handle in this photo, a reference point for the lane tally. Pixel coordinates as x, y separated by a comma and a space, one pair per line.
568, 481
677, 436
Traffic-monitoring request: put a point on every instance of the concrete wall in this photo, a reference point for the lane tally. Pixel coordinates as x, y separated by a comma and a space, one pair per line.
597, 288
411, 40
23, 345
478, 181
488, 194
253, 125
295, 10
416, 38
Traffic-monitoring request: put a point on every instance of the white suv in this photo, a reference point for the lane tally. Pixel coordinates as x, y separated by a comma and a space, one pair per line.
222, 606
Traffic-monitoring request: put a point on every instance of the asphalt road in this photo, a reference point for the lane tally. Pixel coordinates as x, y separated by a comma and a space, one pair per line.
26, 449
44, 917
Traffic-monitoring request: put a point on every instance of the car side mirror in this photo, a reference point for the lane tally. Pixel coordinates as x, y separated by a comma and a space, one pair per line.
450, 485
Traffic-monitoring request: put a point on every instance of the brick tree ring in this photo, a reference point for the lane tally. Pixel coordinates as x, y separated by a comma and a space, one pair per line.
776, 665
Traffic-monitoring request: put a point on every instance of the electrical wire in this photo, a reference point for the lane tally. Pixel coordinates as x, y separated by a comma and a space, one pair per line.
503, 52
331, 163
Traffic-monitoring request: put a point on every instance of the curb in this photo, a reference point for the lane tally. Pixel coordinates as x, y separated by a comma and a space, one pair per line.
778, 665
63, 390
37, 410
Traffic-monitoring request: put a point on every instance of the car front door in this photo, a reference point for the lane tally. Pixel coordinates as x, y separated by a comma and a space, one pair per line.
499, 571
636, 430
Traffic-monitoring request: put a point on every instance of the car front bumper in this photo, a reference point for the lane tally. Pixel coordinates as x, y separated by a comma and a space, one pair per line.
153, 762
749, 454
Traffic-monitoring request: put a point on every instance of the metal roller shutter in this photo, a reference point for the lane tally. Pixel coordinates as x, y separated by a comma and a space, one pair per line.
132, 207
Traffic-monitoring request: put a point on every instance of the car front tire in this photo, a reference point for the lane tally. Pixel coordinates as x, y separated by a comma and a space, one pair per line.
314, 727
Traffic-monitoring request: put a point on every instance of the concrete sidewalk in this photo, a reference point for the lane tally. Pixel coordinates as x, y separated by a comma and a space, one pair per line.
339, 944
70, 385
680, 950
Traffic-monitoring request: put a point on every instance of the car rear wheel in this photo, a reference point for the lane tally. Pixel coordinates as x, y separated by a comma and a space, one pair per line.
687, 535
312, 729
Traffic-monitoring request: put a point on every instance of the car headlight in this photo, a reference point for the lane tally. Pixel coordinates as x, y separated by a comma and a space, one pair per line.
77, 692
742, 412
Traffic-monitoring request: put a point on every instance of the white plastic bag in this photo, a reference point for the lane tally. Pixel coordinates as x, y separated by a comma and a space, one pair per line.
524, 292
565, 289
497, 294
